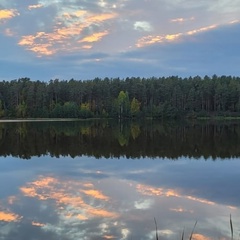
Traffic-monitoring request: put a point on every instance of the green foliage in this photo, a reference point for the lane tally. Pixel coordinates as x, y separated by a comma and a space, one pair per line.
1, 110
21, 110
171, 97
85, 111
135, 107
123, 104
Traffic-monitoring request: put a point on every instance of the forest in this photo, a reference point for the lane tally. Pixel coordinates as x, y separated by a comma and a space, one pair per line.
133, 97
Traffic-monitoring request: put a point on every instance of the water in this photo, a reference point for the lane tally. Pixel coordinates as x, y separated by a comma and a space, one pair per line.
105, 180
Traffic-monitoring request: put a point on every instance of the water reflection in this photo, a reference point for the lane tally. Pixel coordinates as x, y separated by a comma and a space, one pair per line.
81, 184
110, 139
89, 198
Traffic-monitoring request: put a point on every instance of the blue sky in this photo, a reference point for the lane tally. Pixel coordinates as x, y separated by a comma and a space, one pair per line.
81, 39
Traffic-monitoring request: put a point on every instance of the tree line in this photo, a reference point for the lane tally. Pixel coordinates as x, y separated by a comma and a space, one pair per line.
163, 97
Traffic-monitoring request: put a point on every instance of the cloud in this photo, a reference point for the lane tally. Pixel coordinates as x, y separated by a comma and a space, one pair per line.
170, 37
30, 7
152, 191
61, 192
95, 37
181, 20
68, 35
138, 37
8, 13
143, 26
9, 217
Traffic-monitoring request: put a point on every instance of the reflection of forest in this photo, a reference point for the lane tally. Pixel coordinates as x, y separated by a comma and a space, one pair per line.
111, 139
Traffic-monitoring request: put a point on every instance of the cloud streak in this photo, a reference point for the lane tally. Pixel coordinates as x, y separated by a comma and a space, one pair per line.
68, 34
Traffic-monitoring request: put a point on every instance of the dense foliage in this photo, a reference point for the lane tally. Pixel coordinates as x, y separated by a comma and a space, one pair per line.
169, 97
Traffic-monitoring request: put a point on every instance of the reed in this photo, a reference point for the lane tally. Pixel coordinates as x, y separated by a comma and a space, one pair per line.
190, 238
231, 227
192, 233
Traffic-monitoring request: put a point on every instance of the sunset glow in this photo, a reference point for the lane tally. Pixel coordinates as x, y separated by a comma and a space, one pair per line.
139, 38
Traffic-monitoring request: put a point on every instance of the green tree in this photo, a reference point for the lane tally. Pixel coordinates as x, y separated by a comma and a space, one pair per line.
135, 107
123, 104
1, 109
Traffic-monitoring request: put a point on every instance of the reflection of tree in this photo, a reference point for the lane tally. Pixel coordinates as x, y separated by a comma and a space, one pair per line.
122, 140
2, 131
135, 130
22, 130
112, 139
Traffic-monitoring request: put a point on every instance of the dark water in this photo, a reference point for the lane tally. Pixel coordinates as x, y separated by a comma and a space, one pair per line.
109, 180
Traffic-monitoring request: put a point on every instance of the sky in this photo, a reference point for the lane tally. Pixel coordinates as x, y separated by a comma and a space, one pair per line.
84, 39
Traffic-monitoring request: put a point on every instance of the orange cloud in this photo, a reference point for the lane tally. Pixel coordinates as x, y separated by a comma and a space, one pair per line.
148, 40
101, 213
95, 37
180, 20
200, 200
195, 31
67, 34
200, 237
100, 17
151, 191
86, 46
69, 197
180, 210
37, 224
9, 217
109, 237
96, 194
30, 7
8, 13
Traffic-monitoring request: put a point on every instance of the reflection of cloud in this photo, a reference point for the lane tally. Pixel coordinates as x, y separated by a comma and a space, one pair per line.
143, 204
200, 200
200, 237
152, 191
37, 224
12, 200
70, 197
180, 209
96, 194
9, 217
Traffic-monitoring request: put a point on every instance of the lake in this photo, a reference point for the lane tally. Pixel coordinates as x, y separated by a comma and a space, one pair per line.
68, 180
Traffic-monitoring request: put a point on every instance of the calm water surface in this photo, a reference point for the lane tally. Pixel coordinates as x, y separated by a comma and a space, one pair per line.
106, 180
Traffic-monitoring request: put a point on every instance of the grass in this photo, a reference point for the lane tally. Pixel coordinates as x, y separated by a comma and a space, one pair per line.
192, 233
190, 238
231, 226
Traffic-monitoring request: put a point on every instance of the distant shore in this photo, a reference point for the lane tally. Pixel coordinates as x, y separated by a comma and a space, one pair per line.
41, 120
